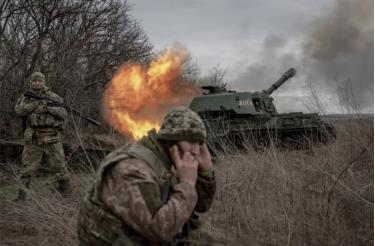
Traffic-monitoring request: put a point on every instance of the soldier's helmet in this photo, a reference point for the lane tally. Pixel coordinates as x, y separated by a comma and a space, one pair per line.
182, 123
37, 75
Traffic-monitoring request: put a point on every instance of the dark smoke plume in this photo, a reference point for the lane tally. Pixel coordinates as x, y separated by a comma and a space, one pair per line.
340, 48
336, 49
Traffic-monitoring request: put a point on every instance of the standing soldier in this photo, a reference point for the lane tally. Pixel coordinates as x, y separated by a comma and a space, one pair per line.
42, 135
150, 192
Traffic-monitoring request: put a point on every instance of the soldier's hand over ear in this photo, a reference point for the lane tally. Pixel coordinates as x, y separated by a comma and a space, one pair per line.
186, 166
204, 158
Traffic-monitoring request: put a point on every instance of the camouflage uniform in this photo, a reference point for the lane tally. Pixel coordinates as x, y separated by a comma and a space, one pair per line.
42, 136
135, 200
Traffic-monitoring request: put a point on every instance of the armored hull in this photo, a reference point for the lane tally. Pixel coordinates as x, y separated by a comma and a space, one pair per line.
251, 118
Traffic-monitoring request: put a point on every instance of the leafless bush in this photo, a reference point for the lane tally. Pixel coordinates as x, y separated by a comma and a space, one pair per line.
215, 77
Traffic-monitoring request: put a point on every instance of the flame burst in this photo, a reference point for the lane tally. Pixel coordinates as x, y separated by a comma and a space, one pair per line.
137, 96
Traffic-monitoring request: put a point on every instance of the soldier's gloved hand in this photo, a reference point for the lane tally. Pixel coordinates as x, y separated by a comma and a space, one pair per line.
42, 106
185, 166
204, 158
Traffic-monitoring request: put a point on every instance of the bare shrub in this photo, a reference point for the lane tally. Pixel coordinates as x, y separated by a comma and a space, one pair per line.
215, 77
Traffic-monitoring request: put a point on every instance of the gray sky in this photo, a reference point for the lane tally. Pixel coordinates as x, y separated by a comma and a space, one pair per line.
330, 42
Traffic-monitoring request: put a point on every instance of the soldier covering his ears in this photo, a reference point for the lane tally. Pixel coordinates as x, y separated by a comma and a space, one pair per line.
149, 193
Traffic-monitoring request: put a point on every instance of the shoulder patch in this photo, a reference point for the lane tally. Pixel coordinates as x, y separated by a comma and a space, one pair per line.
151, 196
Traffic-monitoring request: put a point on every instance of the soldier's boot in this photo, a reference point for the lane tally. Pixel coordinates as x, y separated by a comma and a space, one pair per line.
64, 187
25, 181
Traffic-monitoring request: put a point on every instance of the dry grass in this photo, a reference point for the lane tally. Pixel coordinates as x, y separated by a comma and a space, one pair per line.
321, 196
45, 218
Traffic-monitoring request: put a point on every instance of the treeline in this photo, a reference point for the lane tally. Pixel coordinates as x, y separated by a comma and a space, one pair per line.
77, 44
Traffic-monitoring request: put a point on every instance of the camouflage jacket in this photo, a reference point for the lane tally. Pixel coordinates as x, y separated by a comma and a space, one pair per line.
125, 206
43, 123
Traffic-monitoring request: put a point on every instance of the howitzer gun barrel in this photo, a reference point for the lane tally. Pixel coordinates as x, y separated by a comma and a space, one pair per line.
287, 75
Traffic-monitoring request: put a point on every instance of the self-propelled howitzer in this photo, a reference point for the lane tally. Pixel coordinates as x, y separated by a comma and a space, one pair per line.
251, 118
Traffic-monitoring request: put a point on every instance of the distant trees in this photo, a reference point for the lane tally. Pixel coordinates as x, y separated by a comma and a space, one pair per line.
191, 74
77, 44
215, 77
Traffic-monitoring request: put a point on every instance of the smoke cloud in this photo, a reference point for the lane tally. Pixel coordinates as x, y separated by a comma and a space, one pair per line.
332, 51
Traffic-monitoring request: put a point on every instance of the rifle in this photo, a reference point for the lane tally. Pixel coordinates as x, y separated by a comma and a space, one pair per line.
51, 102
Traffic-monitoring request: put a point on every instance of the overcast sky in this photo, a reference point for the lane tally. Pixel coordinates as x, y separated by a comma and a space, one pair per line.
329, 42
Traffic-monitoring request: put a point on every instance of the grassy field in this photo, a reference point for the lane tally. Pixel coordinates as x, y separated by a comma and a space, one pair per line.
319, 196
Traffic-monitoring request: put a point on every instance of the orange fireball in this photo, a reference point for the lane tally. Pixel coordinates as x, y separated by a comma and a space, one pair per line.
138, 96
